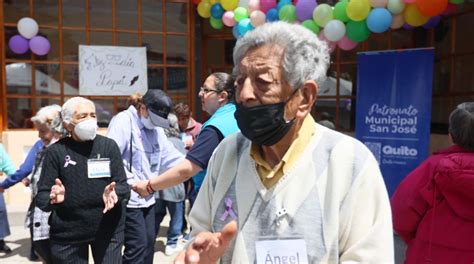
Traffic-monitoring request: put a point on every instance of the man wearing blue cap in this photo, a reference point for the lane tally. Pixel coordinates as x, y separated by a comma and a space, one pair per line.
146, 151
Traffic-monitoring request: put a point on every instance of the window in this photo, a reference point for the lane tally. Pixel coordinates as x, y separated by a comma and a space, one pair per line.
162, 26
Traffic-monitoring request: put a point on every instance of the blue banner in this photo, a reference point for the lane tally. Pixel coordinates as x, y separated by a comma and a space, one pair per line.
393, 111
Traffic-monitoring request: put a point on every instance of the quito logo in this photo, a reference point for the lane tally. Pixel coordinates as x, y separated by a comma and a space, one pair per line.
402, 150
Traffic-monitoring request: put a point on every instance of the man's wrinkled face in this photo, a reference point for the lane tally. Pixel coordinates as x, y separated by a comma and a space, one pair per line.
260, 78
82, 113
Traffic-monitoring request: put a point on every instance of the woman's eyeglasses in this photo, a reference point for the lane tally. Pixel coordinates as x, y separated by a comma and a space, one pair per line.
206, 90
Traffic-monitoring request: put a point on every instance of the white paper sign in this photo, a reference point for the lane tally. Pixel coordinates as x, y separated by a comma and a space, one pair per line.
290, 251
112, 70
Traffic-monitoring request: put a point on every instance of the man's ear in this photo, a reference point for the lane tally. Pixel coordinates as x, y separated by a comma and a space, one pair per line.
308, 95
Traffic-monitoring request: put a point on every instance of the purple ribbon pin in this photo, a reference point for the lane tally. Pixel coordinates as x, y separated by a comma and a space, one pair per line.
228, 210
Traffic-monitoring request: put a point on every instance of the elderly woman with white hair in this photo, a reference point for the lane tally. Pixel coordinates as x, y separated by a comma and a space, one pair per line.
47, 122
83, 183
288, 189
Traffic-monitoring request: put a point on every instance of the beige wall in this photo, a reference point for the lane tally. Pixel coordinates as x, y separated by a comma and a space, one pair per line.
18, 143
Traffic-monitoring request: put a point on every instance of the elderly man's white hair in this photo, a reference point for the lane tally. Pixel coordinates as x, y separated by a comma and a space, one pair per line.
305, 56
49, 116
70, 106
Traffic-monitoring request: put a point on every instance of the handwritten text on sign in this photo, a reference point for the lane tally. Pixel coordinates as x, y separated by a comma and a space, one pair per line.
112, 70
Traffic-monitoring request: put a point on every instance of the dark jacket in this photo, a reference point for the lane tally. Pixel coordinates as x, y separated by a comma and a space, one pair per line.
433, 209
79, 218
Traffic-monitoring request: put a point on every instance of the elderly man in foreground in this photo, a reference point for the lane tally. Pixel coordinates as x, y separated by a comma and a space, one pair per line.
285, 189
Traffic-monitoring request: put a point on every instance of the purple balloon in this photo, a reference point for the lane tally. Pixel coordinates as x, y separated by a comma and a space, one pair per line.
304, 9
433, 22
406, 26
39, 45
18, 44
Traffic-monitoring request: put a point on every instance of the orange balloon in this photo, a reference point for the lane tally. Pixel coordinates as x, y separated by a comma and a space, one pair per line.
431, 7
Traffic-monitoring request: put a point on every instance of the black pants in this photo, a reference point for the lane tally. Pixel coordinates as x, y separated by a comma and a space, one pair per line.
139, 236
43, 249
105, 250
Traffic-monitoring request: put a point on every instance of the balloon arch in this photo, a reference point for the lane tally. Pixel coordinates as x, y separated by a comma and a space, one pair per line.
345, 24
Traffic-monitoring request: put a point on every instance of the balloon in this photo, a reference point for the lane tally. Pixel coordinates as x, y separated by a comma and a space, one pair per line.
266, 5
228, 19
287, 13
196, 2
379, 20
212, 2
357, 31
450, 9
304, 9
346, 44
257, 18
334, 30
217, 11
244, 3
358, 10
18, 44
431, 7
272, 15
254, 5
413, 16
397, 21
216, 23
235, 32
240, 13
378, 3
27, 27
433, 22
407, 27
244, 26
283, 3
204, 9
395, 6
409, 1
40, 45
311, 25
339, 11
322, 14
331, 45
230, 4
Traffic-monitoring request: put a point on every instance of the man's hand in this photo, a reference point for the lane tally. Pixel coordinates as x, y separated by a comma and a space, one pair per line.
26, 182
57, 192
208, 247
140, 188
110, 197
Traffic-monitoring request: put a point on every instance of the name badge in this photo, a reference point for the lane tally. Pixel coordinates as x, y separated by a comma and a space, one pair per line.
154, 161
291, 251
98, 168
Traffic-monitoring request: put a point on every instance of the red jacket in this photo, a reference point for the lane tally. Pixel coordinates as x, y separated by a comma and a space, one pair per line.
433, 209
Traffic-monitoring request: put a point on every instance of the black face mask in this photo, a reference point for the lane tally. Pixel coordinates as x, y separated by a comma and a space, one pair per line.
263, 124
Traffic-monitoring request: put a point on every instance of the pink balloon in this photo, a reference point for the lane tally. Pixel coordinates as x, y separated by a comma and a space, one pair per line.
40, 45
254, 5
257, 18
397, 21
450, 9
331, 45
346, 44
266, 5
228, 19
378, 3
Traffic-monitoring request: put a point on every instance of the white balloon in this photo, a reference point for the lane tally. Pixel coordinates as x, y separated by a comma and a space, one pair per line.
397, 21
257, 18
253, 5
244, 3
27, 27
395, 6
334, 30
378, 3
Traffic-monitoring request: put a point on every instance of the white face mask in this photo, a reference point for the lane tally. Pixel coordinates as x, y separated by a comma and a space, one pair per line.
86, 130
147, 122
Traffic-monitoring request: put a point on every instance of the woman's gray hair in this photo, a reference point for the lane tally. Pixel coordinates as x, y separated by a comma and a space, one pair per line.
70, 106
224, 82
461, 125
50, 116
305, 56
